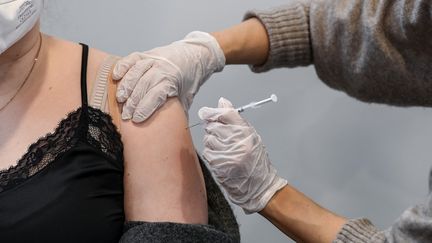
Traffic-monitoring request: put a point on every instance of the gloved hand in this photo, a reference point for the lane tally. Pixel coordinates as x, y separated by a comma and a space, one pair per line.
238, 159
178, 69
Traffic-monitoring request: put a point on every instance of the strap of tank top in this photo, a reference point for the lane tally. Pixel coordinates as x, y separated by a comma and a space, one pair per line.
84, 61
98, 96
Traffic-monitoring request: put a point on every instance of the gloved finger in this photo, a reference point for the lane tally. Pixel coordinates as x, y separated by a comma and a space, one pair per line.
241, 142
150, 102
212, 142
214, 158
232, 116
225, 103
226, 114
155, 80
124, 64
151, 93
225, 166
132, 102
211, 114
132, 78
129, 108
227, 133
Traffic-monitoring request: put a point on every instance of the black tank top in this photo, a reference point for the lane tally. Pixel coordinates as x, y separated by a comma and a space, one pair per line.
68, 187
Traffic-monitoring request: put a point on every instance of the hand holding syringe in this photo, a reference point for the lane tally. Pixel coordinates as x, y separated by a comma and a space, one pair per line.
253, 104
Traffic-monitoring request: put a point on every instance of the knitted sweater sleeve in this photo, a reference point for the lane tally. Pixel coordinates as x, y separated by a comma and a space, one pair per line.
152, 232
376, 50
414, 225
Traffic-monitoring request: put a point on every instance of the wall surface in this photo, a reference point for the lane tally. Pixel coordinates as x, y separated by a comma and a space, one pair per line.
354, 158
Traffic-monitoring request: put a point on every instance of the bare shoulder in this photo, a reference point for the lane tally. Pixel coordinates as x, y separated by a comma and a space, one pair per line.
96, 59
61, 48
95, 63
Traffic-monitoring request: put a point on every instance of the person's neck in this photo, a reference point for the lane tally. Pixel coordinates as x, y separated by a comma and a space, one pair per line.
15, 60
21, 48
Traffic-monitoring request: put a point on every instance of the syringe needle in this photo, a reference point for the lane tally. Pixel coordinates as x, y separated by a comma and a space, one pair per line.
194, 125
273, 98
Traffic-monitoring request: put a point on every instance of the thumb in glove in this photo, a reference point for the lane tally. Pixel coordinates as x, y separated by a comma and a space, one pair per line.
225, 113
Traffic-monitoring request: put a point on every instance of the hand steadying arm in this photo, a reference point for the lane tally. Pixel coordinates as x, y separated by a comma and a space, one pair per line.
376, 51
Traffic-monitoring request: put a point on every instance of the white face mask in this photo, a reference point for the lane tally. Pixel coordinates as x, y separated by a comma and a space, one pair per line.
17, 18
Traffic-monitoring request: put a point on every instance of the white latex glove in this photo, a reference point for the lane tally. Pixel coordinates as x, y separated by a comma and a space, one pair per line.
238, 159
179, 69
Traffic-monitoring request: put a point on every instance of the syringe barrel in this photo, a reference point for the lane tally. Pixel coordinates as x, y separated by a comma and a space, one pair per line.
243, 108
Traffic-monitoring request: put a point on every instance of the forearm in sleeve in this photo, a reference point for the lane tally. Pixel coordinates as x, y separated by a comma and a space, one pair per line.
414, 225
376, 50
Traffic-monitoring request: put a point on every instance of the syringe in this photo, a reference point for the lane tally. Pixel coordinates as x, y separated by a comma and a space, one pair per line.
253, 104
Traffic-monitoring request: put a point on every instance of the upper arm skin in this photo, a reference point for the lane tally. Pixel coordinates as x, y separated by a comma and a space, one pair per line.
163, 180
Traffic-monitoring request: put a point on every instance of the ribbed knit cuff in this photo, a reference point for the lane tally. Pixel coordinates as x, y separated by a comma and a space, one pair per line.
144, 232
288, 31
359, 231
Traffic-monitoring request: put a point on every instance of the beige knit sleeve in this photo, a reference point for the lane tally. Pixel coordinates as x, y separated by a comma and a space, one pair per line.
413, 225
288, 31
359, 231
376, 50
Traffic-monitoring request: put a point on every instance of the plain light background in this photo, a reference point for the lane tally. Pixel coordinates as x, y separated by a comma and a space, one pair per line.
358, 159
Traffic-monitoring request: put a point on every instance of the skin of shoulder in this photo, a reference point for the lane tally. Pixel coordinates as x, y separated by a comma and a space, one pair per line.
163, 181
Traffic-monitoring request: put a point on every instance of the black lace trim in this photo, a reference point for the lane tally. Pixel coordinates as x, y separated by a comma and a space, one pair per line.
101, 134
